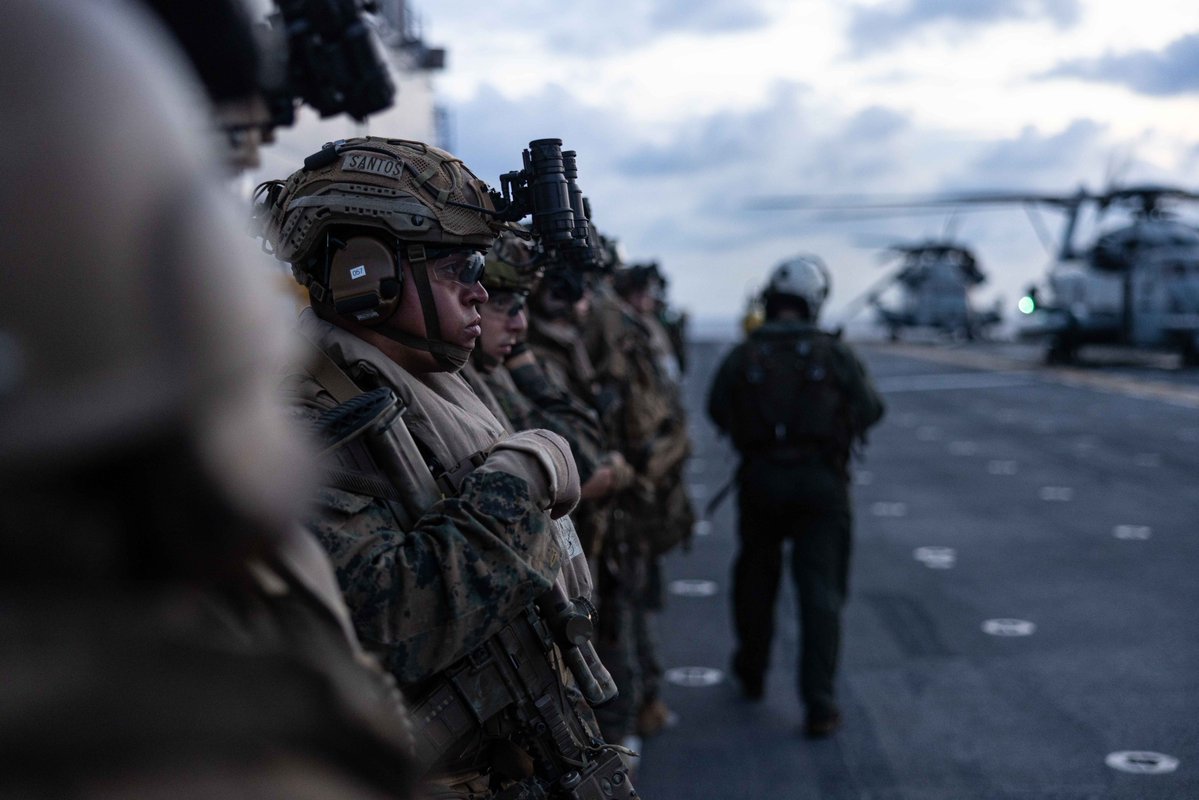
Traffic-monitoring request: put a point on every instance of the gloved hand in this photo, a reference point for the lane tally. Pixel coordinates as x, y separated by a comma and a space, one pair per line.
543, 459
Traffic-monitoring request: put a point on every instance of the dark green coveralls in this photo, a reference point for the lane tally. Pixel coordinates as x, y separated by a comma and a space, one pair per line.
795, 490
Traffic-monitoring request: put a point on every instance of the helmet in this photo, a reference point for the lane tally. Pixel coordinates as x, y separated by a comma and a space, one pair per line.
326, 220
804, 276
153, 316
612, 255
512, 266
412, 191
637, 277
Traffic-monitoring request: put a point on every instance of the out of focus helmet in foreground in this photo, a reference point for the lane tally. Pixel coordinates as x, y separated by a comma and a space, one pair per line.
805, 277
130, 306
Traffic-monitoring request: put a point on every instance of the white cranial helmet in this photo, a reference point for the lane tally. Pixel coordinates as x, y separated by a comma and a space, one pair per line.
804, 276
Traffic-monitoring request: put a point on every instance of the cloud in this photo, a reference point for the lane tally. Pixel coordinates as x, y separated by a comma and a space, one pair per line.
1172, 71
606, 27
1033, 160
885, 26
876, 122
680, 193
706, 16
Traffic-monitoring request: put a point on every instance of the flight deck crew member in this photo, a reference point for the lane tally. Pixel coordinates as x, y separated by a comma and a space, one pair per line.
795, 400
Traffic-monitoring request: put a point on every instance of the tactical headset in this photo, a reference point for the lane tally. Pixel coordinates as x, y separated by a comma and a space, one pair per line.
363, 276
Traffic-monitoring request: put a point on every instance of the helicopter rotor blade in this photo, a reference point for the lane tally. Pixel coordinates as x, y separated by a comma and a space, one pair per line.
899, 202
1042, 231
950, 228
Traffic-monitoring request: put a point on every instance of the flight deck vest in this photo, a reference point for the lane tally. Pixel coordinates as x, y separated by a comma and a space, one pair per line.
788, 403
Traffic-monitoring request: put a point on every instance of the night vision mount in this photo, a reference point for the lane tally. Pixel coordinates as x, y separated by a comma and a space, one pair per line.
327, 58
547, 189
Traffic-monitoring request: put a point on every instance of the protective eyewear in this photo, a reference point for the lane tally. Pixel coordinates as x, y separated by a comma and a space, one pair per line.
464, 267
507, 303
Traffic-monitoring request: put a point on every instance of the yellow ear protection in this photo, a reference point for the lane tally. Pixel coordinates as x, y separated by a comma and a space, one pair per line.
363, 278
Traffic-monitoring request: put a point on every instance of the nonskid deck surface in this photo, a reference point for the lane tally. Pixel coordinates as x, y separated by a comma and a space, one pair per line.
1022, 616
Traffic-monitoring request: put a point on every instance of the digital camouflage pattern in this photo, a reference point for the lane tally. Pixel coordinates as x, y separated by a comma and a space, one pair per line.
559, 348
630, 352
531, 400
646, 423
423, 597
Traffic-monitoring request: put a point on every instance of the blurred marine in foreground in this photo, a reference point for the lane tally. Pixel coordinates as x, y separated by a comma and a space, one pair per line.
166, 629
795, 401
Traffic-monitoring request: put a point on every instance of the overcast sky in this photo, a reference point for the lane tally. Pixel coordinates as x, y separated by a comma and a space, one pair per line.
684, 110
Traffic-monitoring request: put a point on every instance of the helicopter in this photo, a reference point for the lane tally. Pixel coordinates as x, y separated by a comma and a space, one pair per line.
1135, 284
934, 279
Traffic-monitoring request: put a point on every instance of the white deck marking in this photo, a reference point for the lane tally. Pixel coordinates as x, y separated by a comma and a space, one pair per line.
694, 587
1141, 762
702, 528
1009, 627
1002, 467
963, 448
694, 677
936, 557
1132, 532
1057, 494
893, 510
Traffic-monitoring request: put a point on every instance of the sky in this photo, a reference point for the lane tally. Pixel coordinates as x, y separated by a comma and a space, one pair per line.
684, 112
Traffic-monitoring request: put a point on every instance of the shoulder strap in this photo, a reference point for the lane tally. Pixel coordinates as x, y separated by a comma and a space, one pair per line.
330, 376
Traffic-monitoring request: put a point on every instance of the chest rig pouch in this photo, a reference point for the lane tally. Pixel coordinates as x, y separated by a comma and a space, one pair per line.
788, 403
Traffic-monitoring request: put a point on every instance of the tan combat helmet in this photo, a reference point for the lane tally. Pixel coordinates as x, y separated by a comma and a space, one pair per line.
131, 306
412, 191
512, 266
374, 201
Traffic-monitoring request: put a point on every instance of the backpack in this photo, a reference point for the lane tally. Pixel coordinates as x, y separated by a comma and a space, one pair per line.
788, 401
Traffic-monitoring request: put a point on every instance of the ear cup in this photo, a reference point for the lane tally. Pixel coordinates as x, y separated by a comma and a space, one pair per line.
364, 279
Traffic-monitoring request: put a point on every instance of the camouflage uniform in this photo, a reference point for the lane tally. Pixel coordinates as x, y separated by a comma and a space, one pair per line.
619, 343
559, 347
421, 598
795, 490
527, 399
